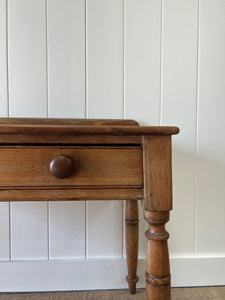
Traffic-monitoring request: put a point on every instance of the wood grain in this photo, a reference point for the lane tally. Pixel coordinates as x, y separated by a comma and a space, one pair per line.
157, 264
157, 173
70, 139
32, 171
132, 229
87, 130
68, 194
29, 166
60, 121
157, 203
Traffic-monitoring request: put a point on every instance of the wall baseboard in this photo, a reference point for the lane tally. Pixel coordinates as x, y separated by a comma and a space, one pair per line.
60, 275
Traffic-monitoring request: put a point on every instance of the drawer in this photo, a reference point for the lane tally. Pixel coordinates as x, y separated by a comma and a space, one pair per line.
29, 166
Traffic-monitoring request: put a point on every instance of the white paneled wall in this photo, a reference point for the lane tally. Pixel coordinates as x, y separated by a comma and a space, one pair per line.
156, 61
29, 239
4, 207
104, 71
27, 58
66, 99
179, 97
66, 58
3, 60
211, 124
142, 60
67, 230
142, 51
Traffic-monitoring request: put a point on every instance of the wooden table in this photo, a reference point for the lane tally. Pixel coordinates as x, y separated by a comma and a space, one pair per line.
70, 159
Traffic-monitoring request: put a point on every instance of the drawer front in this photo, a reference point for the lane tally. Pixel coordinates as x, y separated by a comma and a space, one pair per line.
29, 166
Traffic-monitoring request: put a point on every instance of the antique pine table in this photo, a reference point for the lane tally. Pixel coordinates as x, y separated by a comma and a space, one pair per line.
71, 159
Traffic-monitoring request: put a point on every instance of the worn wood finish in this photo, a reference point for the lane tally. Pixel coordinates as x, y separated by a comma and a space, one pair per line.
68, 194
80, 127
96, 166
132, 243
158, 268
96, 130
59, 159
69, 139
157, 173
59, 122
157, 204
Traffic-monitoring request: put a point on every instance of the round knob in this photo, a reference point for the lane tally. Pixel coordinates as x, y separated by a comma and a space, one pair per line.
62, 166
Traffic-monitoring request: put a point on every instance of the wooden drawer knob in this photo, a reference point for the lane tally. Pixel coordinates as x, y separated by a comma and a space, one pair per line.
62, 166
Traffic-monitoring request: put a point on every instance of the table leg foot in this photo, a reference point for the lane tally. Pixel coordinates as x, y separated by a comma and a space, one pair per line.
157, 258
132, 243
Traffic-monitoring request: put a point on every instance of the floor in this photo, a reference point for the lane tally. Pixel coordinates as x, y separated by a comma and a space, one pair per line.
207, 293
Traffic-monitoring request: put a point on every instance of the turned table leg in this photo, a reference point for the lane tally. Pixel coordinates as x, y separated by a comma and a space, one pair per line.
158, 268
132, 243
157, 204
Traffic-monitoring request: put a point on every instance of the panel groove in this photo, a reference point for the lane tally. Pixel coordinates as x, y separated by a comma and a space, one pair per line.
7, 54
46, 54
124, 58
86, 60
161, 63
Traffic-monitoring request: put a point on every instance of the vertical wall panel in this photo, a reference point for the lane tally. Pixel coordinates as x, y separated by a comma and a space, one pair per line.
66, 58
66, 89
28, 229
104, 100
105, 58
4, 231
105, 230
179, 80
27, 97
142, 60
27, 58
67, 230
3, 59
4, 207
211, 124
142, 71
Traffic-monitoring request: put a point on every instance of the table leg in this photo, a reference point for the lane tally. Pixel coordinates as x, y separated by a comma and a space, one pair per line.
132, 243
157, 204
157, 258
